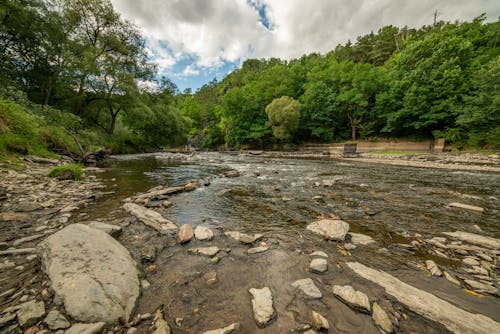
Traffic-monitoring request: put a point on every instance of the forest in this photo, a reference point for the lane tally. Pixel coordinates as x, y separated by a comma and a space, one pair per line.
75, 76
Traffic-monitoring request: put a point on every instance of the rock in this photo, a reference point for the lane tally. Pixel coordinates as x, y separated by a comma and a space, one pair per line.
361, 239
145, 284
55, 320
353, 298
232, 173
256, 250
308, 288
319, 322
450, 278
150, 218
433, 268
166, 204
94, 328
30, 312
485, 257
91, 273
210, 277
318, 265
466, 206
381, 318
226, 330
476, 239
160, 324
477, 270
481, 287
18, 251
7, 318
242, 237
208, 251
262, 304
427, 305
319, 254
185, 234
471, 261
203, 233
13, 216
132, 330
113, 230
330, 229
7, 265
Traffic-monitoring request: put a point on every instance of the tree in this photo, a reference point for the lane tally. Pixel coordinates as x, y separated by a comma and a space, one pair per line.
283, 117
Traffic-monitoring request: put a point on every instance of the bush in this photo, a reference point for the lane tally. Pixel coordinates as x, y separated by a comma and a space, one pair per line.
67, 172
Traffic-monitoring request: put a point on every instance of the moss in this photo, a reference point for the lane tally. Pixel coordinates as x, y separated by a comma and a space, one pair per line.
67, 172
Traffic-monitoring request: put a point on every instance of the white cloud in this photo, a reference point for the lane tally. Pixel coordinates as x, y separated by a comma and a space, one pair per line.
190, 70
215, 31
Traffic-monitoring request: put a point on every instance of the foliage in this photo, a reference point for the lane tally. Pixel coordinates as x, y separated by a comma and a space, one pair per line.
67, 172
284, 115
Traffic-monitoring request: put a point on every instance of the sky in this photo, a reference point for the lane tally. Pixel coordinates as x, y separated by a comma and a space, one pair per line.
195, 41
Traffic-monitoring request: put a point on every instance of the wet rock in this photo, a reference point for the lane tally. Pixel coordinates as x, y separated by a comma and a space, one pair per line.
148, 253
150, 218
262, 304
477, 239
319, 322
6, 318
428, 305
466, 207
256, 250
330, 229
353, 298
161, 326
318, 265
308, 288
450, 278
470, 261
361, 239
94, 328
55, 320
203, 233
208, 251
29, 313
381, 318
113, 230
319, 254
91, 273
232, 173
433, 268
481, 287
186, 233
243, 237
226, 330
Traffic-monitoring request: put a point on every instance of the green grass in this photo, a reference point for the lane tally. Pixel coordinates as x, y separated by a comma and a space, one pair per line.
67, 172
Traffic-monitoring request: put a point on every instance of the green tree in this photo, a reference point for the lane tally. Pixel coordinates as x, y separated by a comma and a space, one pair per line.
283, 117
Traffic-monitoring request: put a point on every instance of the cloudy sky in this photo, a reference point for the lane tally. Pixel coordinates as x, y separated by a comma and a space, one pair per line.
193, 41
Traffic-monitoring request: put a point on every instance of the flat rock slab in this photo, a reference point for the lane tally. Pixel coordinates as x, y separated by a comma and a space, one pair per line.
381, 318
308, 288
262, 304
150, 218
55, 320
330, 229
353, 298
453, 318
113, 230
208, 251
91, 273
476, 239
243, 237
466, 207
203, 233
85, 328
256, 250
226, 330
361, 239
318, 265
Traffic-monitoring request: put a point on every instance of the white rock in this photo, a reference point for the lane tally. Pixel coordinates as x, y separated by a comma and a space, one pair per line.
361, 239
208, 251
262, 304
450, 278
150, 218
466, 206
85, 328
330, 229
476, 239
319, 322
318, 265
428, 305
308, 288
433, 268
203, 233
91, 273
256, 250
243, 237
471, 261
381, 318
226, 330
356, 299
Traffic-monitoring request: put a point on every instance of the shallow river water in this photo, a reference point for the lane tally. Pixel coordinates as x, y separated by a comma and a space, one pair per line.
275, 197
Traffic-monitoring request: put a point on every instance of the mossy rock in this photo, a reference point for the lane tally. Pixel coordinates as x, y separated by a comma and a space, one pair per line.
67, 172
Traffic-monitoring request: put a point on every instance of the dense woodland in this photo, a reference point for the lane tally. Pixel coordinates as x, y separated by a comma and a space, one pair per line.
75, 76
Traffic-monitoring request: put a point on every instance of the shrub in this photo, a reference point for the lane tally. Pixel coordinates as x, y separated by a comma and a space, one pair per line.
67, 172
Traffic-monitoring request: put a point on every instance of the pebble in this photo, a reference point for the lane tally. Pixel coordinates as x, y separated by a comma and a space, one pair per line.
203, 233
319, 322
186, 233
226, 330
208, 251
450, 278
256, 250
433, 268
318, 265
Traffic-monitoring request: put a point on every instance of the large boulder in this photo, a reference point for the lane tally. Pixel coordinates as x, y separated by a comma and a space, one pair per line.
331, 229
91, 273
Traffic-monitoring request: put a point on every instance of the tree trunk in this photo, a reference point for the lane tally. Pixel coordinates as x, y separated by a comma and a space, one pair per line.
48, 92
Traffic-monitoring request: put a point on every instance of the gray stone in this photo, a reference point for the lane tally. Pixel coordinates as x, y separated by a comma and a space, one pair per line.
150, 218
113, 230
262, 304
476, 239
308, 288
86, 328
30, 312
226, 330
353, 298
256, 250
208, 251
203, 233
243, 237
426, 304
361, 239
319, 254
318, 265
319, 322
330, 229
55, 320
433, 268
91, 273
185, 234
381, 318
